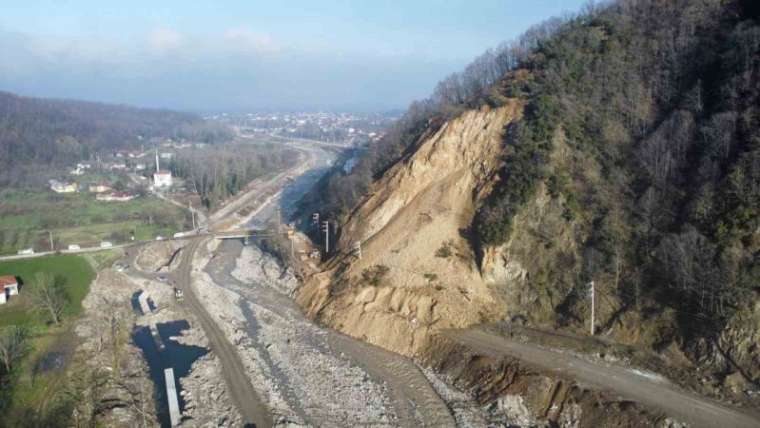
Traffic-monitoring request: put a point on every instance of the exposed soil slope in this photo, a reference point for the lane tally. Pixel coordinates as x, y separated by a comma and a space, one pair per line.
417, 272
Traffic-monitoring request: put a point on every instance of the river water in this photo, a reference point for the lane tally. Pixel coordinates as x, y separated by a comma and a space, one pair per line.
175, 355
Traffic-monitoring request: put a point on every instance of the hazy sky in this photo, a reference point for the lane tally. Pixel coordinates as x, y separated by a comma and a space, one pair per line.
240, 54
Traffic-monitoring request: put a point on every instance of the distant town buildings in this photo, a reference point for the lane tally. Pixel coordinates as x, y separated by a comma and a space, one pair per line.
62, 186
348, 129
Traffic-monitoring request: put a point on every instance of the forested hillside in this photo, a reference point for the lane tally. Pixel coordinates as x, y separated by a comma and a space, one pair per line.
44, 131
636, 165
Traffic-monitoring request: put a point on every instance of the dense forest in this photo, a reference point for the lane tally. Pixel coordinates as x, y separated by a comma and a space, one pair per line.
44, 131
218, 173
662, 99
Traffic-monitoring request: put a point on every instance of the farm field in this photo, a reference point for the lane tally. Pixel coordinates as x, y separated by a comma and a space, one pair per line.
26, 217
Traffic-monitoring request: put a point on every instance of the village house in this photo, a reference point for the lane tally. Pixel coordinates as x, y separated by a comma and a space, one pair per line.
115, 197
80, 169
62, 187
100, 188
8, 286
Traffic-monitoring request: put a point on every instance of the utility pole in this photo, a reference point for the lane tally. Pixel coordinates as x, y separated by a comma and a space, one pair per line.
50, 239
292, 237
192, 213
315, 220
592, 308
326, 228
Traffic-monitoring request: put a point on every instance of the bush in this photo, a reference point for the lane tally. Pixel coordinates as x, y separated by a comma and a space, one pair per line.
445, 250
374, 275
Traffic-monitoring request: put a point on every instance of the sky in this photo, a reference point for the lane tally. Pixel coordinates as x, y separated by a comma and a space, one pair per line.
235, 55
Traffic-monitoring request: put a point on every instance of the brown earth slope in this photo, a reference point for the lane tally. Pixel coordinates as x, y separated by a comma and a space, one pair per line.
417, 273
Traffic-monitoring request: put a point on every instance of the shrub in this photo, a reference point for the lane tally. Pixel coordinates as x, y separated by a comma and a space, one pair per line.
375, 274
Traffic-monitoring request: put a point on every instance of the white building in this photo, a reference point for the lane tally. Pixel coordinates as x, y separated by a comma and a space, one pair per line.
115, 197
99, 188
62, 187
8, 287
161, 178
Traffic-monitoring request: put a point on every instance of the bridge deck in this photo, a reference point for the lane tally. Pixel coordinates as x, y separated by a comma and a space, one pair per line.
171, 394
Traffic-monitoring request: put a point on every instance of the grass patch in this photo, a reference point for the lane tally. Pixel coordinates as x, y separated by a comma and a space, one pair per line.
101, 259
77, 271
24, 389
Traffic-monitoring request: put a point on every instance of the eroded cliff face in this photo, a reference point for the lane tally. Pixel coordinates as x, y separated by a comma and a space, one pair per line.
417, 272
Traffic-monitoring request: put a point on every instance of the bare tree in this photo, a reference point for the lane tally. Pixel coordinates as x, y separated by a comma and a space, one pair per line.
47, 295
13, 345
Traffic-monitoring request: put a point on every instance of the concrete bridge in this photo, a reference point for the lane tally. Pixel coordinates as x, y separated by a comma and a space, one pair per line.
243, 233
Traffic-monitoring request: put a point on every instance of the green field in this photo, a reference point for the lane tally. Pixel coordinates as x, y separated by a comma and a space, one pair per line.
77, 271
24, 389
26, 217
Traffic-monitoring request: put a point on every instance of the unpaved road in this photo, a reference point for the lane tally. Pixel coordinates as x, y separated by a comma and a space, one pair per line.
241, 391
411, 396
659, 394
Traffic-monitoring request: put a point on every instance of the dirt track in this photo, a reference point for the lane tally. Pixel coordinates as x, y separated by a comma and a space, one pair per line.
648, 390
241, 391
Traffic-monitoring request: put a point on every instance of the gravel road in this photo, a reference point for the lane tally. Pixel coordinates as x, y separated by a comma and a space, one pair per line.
654, 392
239, 387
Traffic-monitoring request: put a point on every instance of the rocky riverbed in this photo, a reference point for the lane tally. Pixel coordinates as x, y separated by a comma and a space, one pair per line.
300, 377
123, 374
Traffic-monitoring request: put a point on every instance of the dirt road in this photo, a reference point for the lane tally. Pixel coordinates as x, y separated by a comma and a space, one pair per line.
648, 390
241, 391
410, 395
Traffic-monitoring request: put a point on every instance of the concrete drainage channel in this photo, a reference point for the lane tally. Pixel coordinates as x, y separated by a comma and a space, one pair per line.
162, 352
